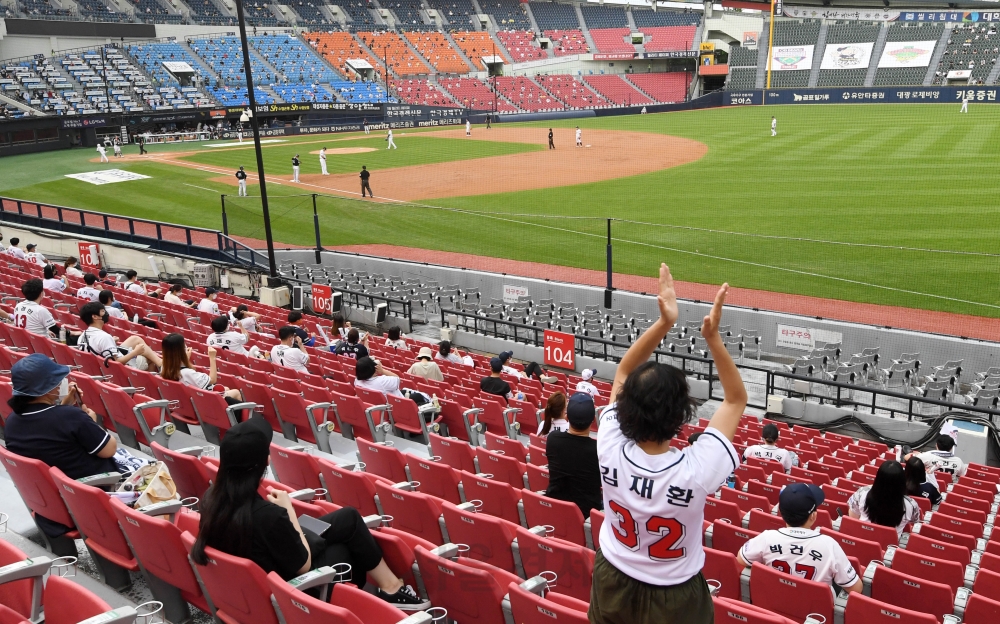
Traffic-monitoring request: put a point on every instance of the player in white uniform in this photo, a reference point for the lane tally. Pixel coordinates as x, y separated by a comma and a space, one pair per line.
241, 181
230, 340
648, 568
774, 126
322, 161
102, 344
208, 304
391, 144
798, 549
295, 168
944, 460
878, 503
585, 385
579, 137
103, 153
965, 104
117, 146
768, 450
29, 314
32, 256
87, 291
468, 127
290, 352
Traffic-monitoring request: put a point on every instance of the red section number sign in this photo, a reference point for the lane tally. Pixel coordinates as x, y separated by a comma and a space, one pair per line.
559, 350
90, 257
322, 299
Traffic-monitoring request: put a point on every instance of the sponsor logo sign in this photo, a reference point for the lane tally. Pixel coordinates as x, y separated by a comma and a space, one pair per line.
107, 176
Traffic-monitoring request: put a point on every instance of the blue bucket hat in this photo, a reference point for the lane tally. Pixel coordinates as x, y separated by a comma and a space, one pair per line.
36, 375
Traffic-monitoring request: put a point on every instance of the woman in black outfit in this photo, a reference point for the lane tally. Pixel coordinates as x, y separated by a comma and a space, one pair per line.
916, 481
237, 520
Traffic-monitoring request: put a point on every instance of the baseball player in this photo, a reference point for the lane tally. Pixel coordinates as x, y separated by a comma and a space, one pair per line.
798, 549
117, 146
141, 140
103, 152
295, 168
551, 144
468, 127
488, 122
392, 144
241, 179
322, 161
579, 137
365, 174
774, 126
965, 103
654, 496
364, 124
768, 450
239, 131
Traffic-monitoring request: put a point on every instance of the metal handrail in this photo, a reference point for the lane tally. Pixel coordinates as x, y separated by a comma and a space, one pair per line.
404, 302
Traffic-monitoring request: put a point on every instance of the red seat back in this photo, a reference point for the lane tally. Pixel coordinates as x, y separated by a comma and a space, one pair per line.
295, 469
724, 568
34, 483
68, 603
563, 516
351, 412
768, 491
91, 508
489, 538
503, 468
397, 550
349, 488
729, 611
864, 610
451, 417
910, 592
946, 536
982, 610
790, 596
417, 514
456, 453
956, 525
885, 536
191, 475
730, 537
934, 569
530, 608
499, 499
510, 448
924, 545
16, 595
299, 608
436, 478
470, 594
762, 521
210, 407
948, 508
291, 409
384, 461
987, 584
237, 587
746, 501
573, 565
716, 509
596, 521
864, 550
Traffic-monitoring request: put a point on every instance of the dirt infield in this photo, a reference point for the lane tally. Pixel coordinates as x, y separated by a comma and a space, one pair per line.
345, 150
865, 313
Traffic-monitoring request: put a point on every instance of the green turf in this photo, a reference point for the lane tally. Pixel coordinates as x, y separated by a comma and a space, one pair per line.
919, 176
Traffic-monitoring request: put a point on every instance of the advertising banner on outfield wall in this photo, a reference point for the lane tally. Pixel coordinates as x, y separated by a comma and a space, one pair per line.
868, 95
907, 54
867, 14
847, 55
791, 58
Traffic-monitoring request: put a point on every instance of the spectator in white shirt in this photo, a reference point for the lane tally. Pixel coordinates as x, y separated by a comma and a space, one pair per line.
585, 385
173, 296
246, 319
425, 366
102, 344
32, 316
230, 340
768, 450
87, 291
133, 285
943, 459
394, 339
208, 304
51, 282
177, 367
371, 376
16, 251
555, 415
34, 257
107, 299
445, 353
885, 502
290, 352
70, 267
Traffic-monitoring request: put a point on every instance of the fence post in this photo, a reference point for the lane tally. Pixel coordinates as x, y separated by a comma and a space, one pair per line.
319, 246
610, 286
225, 221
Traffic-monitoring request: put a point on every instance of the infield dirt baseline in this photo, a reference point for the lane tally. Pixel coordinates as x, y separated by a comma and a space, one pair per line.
612, 154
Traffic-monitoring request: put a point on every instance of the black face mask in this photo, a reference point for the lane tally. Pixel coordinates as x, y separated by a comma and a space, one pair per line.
106, 317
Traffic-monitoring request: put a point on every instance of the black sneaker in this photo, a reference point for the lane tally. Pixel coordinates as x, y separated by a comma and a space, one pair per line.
405, 599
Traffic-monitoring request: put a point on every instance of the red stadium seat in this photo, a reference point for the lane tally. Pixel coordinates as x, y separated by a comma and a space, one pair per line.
295, 469
498, 498
981, 610
987, 584
510, 448
38, 490
790, 596
383, 460
68, 603
564, 517
762, 521
413, 512
456, 453
572, 564
530, 608
864, 610
503, 468
596, 521
885, 536
716, 509
353, 416
349, 488
730, 538
538, 477
18, 595
237, 587
436, 478
909, 592
746, 501
732, 611
942, 550
191, 475
299, 608
945, 536
768, 491
724, 568
921, 566
864, 550
397, 550
489, 538
471, 591
957, 525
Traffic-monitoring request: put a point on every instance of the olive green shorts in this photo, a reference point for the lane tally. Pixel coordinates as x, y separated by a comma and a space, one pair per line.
616, 598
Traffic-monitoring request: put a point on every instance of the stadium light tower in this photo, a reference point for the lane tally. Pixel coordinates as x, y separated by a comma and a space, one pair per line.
272, 266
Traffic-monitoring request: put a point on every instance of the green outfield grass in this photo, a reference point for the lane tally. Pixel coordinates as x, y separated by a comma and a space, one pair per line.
880, 177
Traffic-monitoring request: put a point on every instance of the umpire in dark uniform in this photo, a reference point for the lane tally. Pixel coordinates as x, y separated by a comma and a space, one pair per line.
365, 174
551, 144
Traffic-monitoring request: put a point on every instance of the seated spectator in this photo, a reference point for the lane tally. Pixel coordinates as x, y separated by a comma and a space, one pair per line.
14, 250
916, 481
585, 385
173, 296
30, 315
393, 339
555, 415
445, 353
370, 375
246, 319
208, 304
107, 299
339, 327
63, 433
230, 340
943, 459
71, 268
494, 384
798, 549
87, 292
51, 282
177, 367
769, 451
290, 352
885, 502
33, 256
237, 520
352, 348
133, 285
103, 276
133, 352
574, 472
425, 366
504, 358
295, 319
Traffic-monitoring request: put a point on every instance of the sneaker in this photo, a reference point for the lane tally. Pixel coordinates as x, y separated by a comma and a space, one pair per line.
405, 599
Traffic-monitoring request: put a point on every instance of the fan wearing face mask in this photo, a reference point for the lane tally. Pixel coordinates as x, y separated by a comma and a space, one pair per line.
102, 344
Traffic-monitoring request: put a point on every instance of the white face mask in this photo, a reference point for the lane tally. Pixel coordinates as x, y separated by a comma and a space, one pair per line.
64, 388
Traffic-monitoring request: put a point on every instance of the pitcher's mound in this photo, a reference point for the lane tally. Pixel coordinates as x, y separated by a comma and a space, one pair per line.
347, 150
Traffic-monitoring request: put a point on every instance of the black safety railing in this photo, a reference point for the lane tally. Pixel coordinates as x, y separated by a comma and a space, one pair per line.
168, 238
397, 306
769, 381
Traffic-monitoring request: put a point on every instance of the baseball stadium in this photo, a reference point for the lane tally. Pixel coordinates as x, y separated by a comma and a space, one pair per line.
499, 311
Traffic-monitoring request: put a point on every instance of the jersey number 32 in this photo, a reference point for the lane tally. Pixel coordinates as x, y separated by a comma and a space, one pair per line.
669, 531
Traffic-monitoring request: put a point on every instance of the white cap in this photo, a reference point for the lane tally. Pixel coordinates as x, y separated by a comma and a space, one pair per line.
588, 373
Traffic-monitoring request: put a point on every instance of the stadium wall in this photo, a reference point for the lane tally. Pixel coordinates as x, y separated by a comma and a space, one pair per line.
986, 94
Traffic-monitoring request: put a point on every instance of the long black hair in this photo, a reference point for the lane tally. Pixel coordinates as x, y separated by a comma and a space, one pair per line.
226, 521
884, 503
916, 475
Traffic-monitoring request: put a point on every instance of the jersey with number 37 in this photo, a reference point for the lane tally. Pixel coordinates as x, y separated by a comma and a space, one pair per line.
654, 505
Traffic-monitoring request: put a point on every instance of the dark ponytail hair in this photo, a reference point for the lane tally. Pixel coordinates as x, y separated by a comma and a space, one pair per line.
884, 503
916, 475
554, 409
226, 520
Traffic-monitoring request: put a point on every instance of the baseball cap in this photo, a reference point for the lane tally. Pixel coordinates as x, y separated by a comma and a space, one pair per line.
210, 291
496, 364
580, 410
247, 445
30, 246
36, 375
588, 373
505, 355
425, 352
798, 500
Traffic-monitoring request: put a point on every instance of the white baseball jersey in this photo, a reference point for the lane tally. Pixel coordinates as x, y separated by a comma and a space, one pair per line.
655, 504
207, 305
100, 148
944, 461
54, 284
230, 341
322, 155
579, 135
802, 552
35, 258
191, 377
911, 511
589, 388
249, 323
88, 292
137, 287
291, 357
98, 342
17, 252
34, 318
114, 312
763, 451
774, 124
